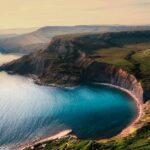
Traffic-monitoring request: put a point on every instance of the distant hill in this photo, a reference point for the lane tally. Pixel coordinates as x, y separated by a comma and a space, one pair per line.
4, 36
17, 30
39, 39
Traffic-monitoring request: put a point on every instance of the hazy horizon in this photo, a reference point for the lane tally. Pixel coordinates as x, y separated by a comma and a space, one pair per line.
38, 27
38, 13
24, 30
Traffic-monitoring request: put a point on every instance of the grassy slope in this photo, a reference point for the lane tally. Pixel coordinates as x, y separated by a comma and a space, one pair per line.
125, 57
114, 56
143, 59
134, 59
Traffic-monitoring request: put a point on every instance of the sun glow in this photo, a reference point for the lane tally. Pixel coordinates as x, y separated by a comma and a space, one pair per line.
29, 13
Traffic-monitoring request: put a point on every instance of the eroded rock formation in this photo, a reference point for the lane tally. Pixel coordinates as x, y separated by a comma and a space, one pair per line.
104, 73
65, 62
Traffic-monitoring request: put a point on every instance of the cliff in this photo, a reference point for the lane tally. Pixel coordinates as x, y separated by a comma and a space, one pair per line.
104, 73
67, 61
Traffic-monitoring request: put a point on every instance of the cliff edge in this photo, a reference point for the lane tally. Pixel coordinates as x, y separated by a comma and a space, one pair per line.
67, 61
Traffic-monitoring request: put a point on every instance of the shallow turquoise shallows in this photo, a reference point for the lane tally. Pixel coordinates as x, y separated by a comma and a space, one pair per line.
29, 111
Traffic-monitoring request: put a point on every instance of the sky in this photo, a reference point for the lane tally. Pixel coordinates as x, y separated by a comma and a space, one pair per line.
37, 13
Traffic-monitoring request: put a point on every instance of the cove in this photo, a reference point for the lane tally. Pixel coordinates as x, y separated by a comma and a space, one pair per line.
29, 111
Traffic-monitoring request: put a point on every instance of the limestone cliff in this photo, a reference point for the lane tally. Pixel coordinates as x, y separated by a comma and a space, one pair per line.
66, 61
104, 73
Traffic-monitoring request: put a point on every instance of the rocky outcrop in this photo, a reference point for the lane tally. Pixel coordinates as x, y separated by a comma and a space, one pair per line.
66, 61
61, 63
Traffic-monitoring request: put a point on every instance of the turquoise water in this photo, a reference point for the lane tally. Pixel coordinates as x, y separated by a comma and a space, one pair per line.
29, 111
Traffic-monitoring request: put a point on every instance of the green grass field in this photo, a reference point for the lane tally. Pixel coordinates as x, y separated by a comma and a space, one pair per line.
115, 56
125, 57
143, 58
135, 59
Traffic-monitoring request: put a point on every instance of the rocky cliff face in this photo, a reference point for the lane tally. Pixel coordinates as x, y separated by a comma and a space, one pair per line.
65, 62
104, 73
61, 63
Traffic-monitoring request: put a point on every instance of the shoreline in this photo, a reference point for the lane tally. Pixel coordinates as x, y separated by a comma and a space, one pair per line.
139, 105
43, 139
125, 132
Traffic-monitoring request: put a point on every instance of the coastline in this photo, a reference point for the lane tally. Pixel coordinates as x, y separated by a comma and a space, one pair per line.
139, 105
138, 102
125, 132
44, 139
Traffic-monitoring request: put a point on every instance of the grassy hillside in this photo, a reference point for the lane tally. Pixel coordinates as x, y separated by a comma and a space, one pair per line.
134, 58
